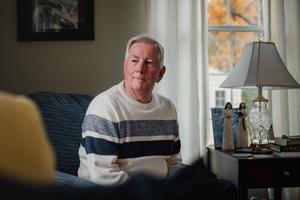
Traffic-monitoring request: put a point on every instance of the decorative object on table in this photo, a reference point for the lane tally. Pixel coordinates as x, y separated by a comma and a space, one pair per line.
262, 156
286, 143
260, 66
250, 150
218, 125
287, 154
243, 135
283, 141
291, 137
271, 133
286, 146
228, 140
39, 20
242, 155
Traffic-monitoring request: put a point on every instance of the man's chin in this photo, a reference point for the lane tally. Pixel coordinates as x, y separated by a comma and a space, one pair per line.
137, 87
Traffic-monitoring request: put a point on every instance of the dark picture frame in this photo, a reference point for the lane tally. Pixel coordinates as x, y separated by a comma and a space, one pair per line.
52, 20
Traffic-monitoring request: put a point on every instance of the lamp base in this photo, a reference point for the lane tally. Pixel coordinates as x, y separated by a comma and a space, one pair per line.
260, 147
260, 121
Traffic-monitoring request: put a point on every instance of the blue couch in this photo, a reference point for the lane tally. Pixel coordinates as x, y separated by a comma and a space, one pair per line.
63, 115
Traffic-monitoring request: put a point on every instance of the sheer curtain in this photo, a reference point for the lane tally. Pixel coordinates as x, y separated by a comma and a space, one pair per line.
284, 30
181, 27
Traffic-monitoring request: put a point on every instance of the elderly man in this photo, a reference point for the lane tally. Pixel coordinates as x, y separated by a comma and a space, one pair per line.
128, 128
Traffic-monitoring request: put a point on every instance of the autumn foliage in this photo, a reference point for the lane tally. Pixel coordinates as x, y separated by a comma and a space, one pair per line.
223, 45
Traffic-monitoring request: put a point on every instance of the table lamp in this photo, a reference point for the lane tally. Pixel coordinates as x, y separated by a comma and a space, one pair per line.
260, 66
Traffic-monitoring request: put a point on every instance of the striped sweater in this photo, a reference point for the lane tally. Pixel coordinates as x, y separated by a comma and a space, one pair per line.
121, 136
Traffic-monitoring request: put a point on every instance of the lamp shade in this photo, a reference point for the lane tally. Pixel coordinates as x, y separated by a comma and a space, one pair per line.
260, 65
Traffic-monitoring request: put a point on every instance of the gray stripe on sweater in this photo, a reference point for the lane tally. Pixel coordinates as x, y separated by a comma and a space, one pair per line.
129, 128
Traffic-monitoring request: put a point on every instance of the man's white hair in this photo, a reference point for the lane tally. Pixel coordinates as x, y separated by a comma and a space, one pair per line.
147, 39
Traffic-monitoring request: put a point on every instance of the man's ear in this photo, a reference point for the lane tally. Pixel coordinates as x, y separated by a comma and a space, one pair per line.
161, 73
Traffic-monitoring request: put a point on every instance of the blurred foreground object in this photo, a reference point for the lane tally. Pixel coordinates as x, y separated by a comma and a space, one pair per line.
25, 153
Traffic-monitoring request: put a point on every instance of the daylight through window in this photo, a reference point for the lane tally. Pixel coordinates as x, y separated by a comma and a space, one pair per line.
231, 25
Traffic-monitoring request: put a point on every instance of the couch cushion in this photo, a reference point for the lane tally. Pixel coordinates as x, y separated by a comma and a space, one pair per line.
63, 116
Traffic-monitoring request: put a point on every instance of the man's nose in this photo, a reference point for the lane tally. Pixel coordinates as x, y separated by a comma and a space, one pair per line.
141, 66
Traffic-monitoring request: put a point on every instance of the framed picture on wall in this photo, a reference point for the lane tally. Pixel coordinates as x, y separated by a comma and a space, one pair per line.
46, 20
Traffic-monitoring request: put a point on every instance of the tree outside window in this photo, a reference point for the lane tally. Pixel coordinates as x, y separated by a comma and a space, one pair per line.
231, 25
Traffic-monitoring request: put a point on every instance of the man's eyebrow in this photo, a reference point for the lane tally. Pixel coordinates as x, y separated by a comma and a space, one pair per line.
147, 59
135, 56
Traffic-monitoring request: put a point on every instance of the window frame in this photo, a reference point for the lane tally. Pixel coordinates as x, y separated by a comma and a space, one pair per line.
259, 29
220, 96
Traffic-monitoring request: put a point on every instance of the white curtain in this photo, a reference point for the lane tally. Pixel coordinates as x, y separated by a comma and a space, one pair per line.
181, 27
284, 30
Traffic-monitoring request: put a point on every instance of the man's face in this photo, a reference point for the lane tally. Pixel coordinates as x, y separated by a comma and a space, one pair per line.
142, 69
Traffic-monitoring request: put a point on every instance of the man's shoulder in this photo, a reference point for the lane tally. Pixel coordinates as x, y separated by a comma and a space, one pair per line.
163, 99
107, 95
103, 101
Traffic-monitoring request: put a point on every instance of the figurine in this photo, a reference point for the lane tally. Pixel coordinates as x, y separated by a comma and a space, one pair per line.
228, 141
242, 139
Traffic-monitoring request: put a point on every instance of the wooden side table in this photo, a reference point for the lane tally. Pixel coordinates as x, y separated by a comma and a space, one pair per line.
273, 172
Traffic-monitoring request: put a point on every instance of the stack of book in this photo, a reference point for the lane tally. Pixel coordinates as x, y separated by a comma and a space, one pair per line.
286, 146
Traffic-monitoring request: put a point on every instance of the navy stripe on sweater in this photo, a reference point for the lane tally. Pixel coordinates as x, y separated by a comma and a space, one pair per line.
129, 128
131, 149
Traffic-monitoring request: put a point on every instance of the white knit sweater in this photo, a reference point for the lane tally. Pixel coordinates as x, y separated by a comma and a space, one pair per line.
121, 136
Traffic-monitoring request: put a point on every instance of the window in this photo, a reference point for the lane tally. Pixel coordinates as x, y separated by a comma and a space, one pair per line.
220, 98
231, 25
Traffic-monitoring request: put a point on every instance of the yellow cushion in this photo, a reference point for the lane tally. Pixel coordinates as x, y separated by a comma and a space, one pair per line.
25, 152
